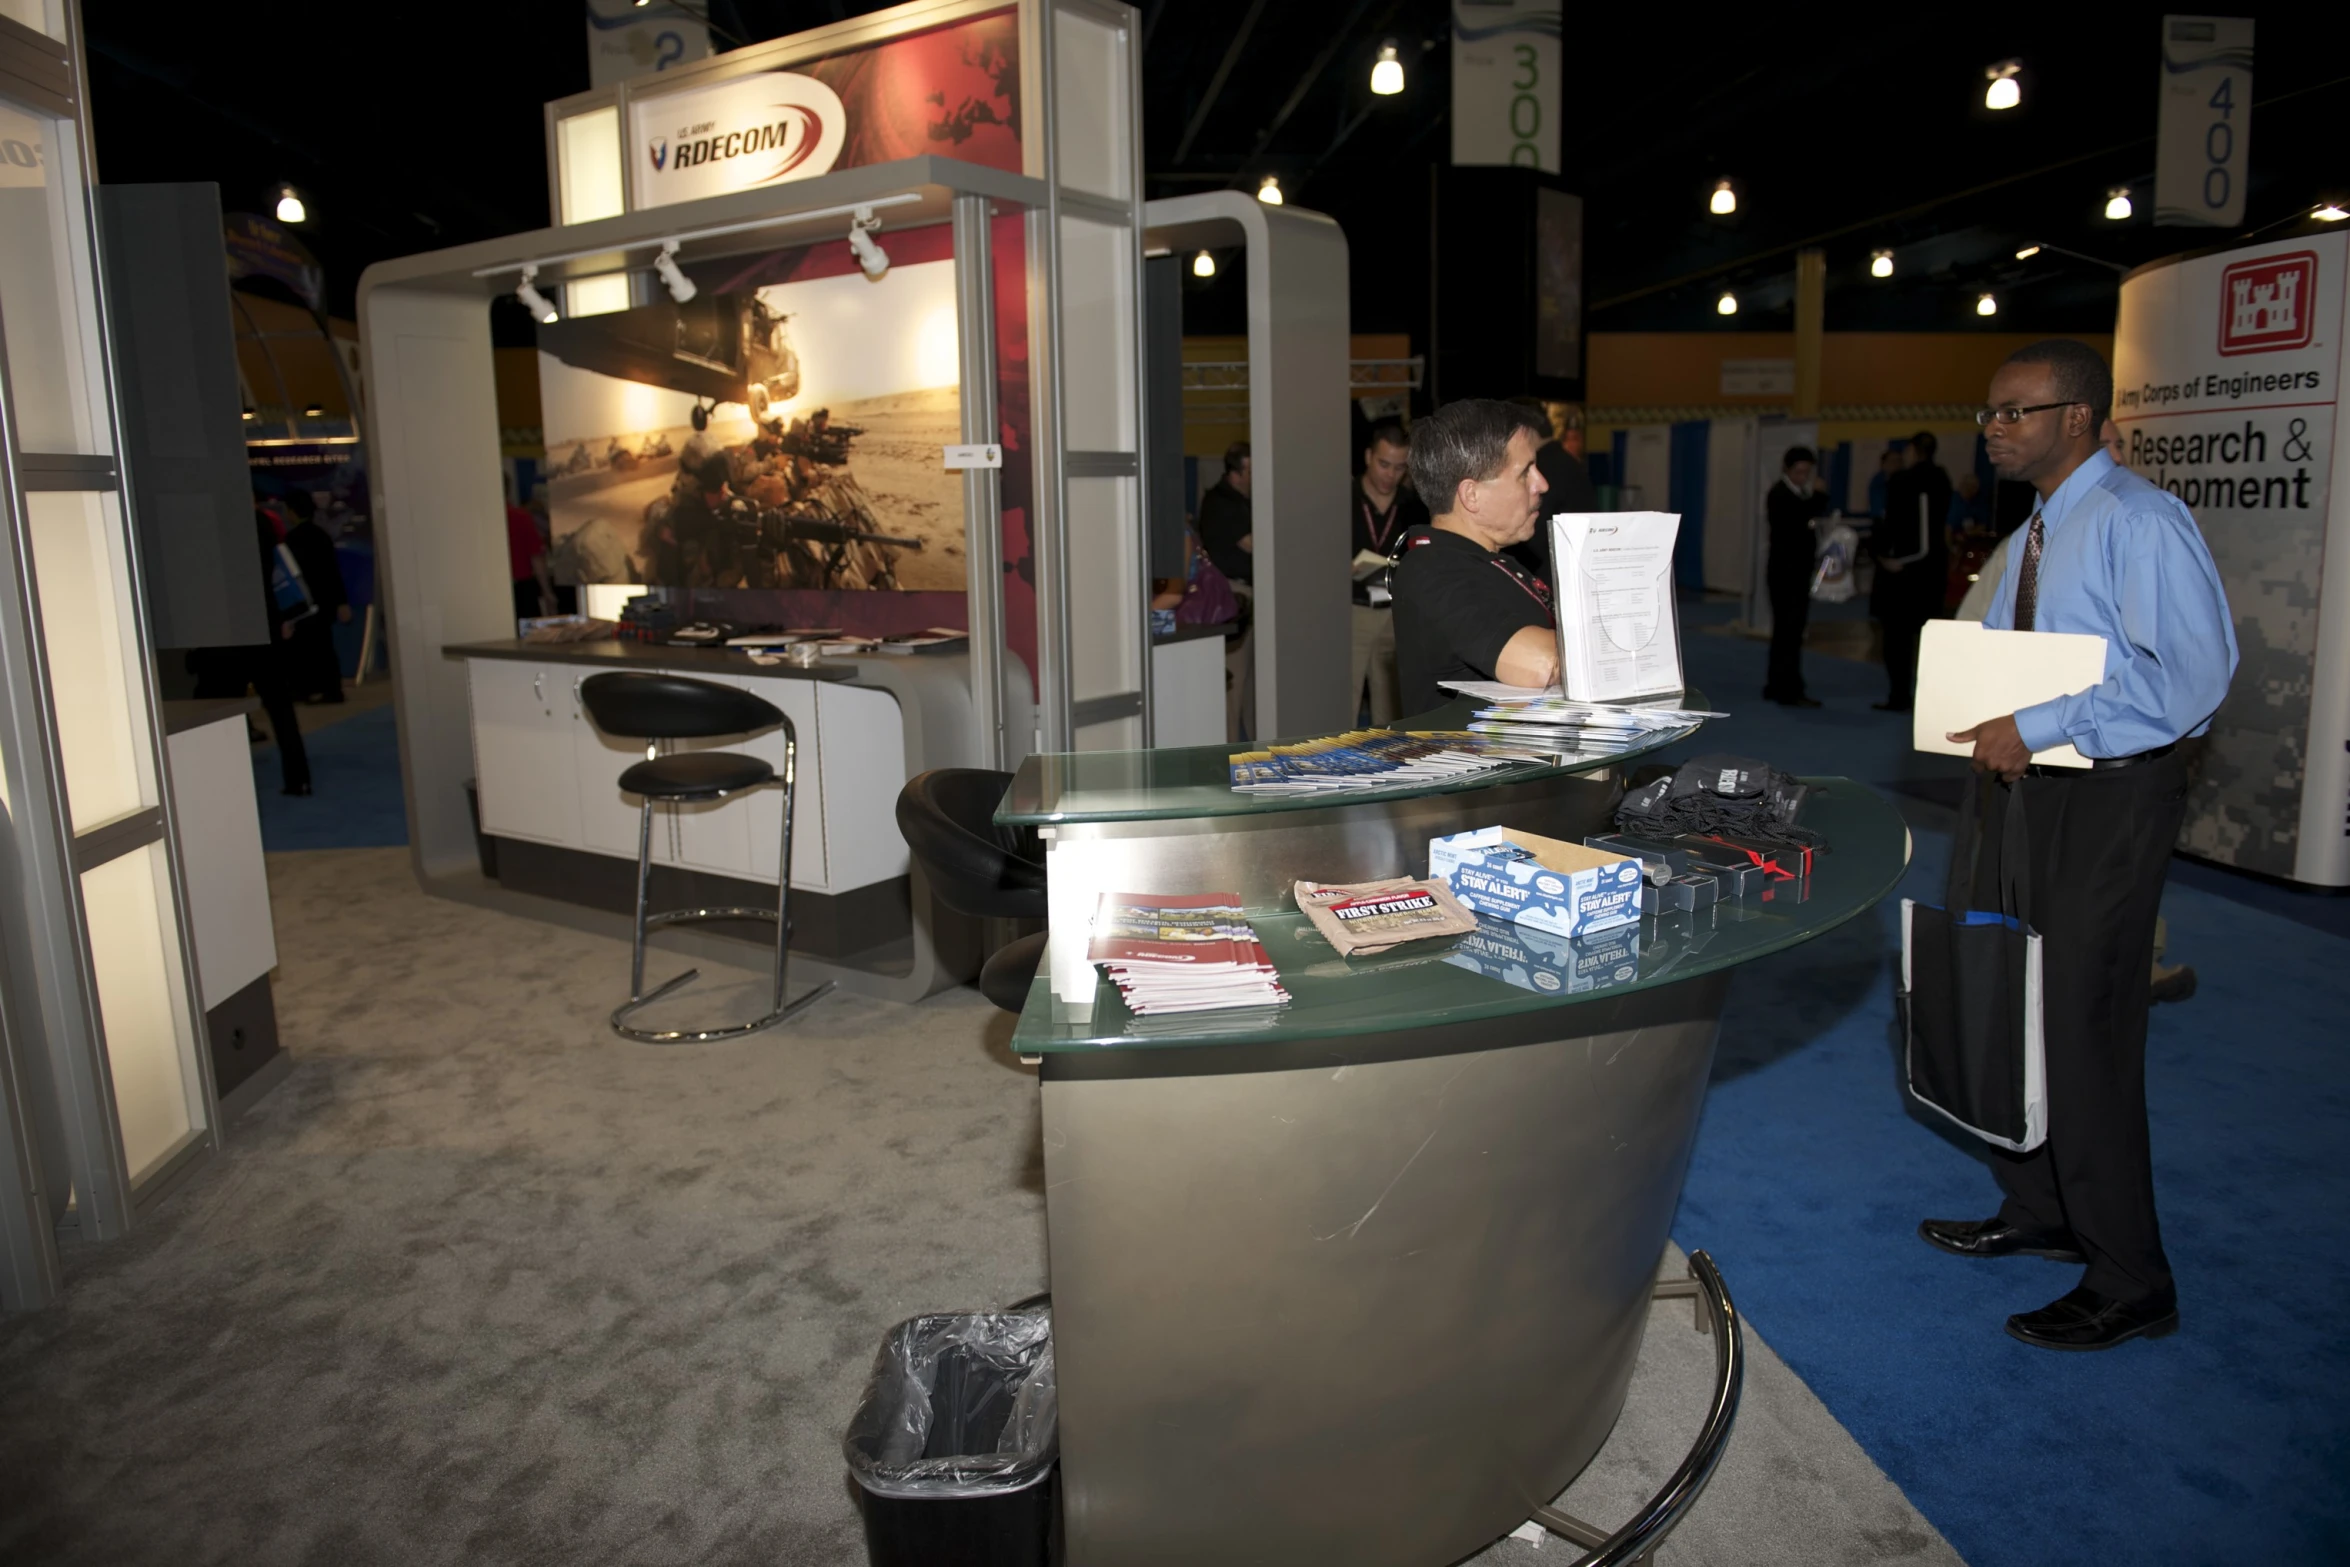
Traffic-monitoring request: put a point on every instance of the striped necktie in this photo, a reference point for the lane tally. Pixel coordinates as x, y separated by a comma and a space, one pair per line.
2027, 585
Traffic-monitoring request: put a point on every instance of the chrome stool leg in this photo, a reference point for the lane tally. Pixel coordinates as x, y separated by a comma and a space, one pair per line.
780, 914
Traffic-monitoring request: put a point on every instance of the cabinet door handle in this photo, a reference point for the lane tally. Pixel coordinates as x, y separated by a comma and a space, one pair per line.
538, 687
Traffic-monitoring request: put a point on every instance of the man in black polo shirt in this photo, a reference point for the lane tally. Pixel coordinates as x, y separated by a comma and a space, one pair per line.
1463, 609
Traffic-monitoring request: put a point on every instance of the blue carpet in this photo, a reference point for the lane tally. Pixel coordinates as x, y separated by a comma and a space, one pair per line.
357, 801
2226, 1441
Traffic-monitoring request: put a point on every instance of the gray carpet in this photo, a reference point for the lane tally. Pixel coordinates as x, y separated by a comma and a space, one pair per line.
481, 1283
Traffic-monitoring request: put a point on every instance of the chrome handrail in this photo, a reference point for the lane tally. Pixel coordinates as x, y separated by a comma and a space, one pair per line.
1635, 1540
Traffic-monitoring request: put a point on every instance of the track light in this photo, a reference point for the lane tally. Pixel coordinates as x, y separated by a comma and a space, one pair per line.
314, 411
1203, 265
1986, 305
1727, 305
681, 287
2005, 92
2330, 212
2027, 253
1724, 200
1269, 190
248, 416
532, 300
289, 206
1387, 75
2117, 204
864, 246
1880, 263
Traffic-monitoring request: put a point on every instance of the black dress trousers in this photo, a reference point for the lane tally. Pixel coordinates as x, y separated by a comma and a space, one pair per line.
2100, 845
1788, 577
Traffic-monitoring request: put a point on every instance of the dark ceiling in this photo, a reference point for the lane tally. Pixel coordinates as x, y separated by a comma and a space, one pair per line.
1851, 132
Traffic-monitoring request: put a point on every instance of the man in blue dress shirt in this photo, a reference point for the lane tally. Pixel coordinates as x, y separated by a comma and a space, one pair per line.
2105, 552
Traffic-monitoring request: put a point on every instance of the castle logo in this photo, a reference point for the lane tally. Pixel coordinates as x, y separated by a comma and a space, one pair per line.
2269, 304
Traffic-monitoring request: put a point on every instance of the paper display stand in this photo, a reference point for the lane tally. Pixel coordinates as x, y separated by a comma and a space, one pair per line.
1618, 632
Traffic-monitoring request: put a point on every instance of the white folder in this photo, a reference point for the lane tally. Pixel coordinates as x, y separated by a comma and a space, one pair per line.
1967, 674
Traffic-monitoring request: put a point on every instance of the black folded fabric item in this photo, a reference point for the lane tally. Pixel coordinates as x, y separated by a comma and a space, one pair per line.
1720, 794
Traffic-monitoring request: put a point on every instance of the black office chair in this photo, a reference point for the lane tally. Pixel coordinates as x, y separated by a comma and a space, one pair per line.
978, 868
671, 707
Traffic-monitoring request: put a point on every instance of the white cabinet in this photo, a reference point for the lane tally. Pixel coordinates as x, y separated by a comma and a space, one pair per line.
546, 773
522, 751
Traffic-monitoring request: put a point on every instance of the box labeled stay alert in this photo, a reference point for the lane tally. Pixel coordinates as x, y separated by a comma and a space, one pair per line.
1564, 888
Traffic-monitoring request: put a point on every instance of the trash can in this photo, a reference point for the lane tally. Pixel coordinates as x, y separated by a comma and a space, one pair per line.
954, 1441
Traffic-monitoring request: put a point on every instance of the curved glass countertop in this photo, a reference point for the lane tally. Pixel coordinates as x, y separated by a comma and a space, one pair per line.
1506, 968
1192, 781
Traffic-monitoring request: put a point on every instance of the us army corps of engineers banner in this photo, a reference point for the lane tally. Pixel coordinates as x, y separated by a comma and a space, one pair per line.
2227, 375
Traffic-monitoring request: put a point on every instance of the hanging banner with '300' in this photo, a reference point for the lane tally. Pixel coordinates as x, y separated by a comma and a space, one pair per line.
2203, 146
1505, 83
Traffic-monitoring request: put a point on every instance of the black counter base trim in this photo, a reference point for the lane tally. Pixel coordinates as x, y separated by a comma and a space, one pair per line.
242, 1034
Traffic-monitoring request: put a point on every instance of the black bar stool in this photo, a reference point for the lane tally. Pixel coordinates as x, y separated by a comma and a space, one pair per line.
671, 707
978, 868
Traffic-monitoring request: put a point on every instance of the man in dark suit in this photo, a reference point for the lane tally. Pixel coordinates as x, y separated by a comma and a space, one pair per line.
1791, 507
1913, 566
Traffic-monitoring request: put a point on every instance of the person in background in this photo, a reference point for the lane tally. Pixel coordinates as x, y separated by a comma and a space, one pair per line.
1464, 610
261, 667
526, 560
314, 670
1913, 566
2104, 553
1887, 466
1224, 524
1385, 510
1795, 503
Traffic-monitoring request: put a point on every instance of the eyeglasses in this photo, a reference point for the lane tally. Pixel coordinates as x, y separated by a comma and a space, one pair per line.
2011, 414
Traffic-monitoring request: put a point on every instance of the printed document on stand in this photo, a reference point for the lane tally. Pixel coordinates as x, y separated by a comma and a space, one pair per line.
1618, 634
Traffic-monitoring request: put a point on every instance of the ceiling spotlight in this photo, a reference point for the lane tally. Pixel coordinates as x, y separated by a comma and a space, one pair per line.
289, 206
1387, 75
1880, 263
1985, 305
314, 411
681, 287
532, 300
248, 416
2004, 92
2027, 253
1724, 200
2330, 212
2117, 204
1203, 265
864, 247
1727, 305
1269, 190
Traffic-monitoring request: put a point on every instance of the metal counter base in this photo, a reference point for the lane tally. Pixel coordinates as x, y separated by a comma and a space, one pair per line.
1370, 1299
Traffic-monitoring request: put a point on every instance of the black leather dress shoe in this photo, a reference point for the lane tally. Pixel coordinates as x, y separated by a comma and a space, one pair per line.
2086, 1320
1995, 1238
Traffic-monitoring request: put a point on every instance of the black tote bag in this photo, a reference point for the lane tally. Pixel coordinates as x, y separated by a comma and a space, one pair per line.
1970, 990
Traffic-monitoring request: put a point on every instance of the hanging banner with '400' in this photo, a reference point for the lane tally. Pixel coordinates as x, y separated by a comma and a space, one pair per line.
2227, 374
2203, 146
1505, 83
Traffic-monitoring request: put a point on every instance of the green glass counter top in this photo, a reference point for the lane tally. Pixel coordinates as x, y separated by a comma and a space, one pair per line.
1505, 968
1184, 782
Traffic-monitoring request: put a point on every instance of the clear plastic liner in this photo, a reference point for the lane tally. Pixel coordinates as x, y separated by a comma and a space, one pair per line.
958, 1406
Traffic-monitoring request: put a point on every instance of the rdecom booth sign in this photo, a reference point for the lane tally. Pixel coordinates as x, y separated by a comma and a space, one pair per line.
737, 135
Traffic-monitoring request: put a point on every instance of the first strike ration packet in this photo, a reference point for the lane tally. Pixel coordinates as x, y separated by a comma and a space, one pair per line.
1372, 916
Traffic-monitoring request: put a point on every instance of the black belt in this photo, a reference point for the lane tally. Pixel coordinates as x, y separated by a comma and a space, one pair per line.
2102, 764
